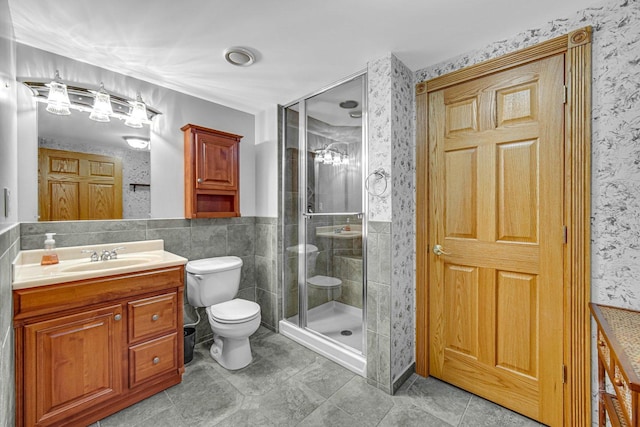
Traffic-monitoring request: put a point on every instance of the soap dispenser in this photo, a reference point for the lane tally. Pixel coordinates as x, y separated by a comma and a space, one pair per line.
50, 256
348, 226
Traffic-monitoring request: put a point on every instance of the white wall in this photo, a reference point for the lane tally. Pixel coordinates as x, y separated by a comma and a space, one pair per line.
27, 156
266, 166
8, 126
167, 169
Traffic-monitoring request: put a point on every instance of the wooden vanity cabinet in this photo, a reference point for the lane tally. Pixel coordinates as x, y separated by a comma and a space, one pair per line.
211, 173
87, 349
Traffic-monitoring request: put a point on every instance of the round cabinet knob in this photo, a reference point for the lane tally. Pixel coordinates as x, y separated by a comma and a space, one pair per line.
117, 317
199, 180
155, 317
156, 360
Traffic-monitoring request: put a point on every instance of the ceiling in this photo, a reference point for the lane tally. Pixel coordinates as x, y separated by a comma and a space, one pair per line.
301, 46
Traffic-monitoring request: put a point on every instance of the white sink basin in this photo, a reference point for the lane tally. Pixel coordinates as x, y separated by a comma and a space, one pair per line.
104, 265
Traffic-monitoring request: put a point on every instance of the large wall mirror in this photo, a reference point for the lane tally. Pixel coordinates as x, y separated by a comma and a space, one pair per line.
161, 166
88, 170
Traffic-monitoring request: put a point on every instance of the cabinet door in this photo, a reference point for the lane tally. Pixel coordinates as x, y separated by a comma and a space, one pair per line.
216, 162
73, 363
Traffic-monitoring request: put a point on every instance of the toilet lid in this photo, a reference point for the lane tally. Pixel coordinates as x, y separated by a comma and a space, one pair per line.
235, 311
213, 265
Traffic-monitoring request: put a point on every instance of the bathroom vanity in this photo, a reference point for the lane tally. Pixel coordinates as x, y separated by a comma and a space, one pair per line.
92, 338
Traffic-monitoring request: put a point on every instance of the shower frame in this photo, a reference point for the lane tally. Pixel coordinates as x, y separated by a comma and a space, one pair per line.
340, 353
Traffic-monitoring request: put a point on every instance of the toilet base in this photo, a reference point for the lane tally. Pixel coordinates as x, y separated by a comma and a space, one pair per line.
231, 353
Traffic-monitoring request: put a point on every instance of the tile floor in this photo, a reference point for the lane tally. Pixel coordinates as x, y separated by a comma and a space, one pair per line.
289, 385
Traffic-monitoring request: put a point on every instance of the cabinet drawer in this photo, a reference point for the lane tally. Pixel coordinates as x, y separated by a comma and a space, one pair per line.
152, 358
152, 316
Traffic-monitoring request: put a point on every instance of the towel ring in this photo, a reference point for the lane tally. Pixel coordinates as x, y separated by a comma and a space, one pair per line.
379, 173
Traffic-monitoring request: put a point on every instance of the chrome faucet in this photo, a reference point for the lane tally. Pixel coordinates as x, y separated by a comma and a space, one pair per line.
94, 254
114, 251
106, 255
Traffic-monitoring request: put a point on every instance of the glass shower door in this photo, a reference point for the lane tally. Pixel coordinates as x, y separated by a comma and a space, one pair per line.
324, 262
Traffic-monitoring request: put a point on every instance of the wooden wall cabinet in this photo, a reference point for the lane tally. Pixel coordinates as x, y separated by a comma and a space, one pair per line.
87, 349
618, 345
211, 173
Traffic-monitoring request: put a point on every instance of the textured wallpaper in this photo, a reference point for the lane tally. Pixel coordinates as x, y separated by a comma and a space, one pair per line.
402, 218
615, 205
379, 129
392, 147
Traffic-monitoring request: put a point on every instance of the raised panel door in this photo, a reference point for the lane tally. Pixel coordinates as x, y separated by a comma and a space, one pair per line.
73, 363
495, 185
74, 186
216, 163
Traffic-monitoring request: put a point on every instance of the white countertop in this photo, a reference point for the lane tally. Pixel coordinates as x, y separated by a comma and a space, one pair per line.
75, 265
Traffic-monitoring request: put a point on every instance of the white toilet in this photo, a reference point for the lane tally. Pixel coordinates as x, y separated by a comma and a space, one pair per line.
213, 283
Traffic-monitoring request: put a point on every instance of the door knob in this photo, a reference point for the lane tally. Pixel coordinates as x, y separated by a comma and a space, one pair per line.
199, 180
437, 249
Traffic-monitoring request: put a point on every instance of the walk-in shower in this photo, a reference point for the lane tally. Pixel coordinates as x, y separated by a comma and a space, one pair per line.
323, 163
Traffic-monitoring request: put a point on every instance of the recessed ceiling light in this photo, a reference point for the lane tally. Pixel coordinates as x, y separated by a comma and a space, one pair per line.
239, 56
355, 114
349, 104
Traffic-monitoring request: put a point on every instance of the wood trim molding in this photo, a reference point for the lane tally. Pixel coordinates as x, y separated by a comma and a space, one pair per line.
576, 46
422, 236
577, 284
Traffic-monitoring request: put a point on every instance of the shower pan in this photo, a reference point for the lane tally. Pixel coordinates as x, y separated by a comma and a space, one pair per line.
323, 222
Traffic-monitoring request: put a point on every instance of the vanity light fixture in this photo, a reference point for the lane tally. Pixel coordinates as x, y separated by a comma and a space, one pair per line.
138, 114
331, 156
101, 106
137, 142
58, 98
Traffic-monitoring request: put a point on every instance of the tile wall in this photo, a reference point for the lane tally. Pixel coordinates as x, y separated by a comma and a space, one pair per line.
9, 247
266, 278
252, 239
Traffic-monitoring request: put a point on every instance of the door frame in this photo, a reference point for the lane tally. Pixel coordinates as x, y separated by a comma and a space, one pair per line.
576, 47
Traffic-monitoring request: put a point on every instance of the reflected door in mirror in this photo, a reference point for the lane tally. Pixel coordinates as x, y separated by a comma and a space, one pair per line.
74, 186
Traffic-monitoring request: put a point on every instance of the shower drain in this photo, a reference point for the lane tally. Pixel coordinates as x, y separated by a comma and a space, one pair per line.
346, 332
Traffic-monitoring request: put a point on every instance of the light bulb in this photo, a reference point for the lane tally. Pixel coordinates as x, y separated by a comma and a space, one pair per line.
138, 113
101, 106
58, 99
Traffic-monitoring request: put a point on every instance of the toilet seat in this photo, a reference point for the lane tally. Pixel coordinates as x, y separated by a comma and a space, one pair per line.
235, 311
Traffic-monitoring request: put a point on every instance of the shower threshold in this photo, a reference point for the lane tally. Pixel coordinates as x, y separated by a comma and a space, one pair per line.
337, 321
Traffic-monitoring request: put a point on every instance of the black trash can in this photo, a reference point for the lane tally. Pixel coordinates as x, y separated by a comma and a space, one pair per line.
189, 343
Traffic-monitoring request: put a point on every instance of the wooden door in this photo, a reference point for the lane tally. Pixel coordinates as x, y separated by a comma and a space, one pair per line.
75, 186
73, 363
496, 209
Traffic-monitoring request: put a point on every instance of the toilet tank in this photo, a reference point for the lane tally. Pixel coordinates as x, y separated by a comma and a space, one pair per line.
213, 280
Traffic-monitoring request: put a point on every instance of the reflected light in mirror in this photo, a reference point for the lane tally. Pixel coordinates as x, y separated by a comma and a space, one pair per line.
137, 142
